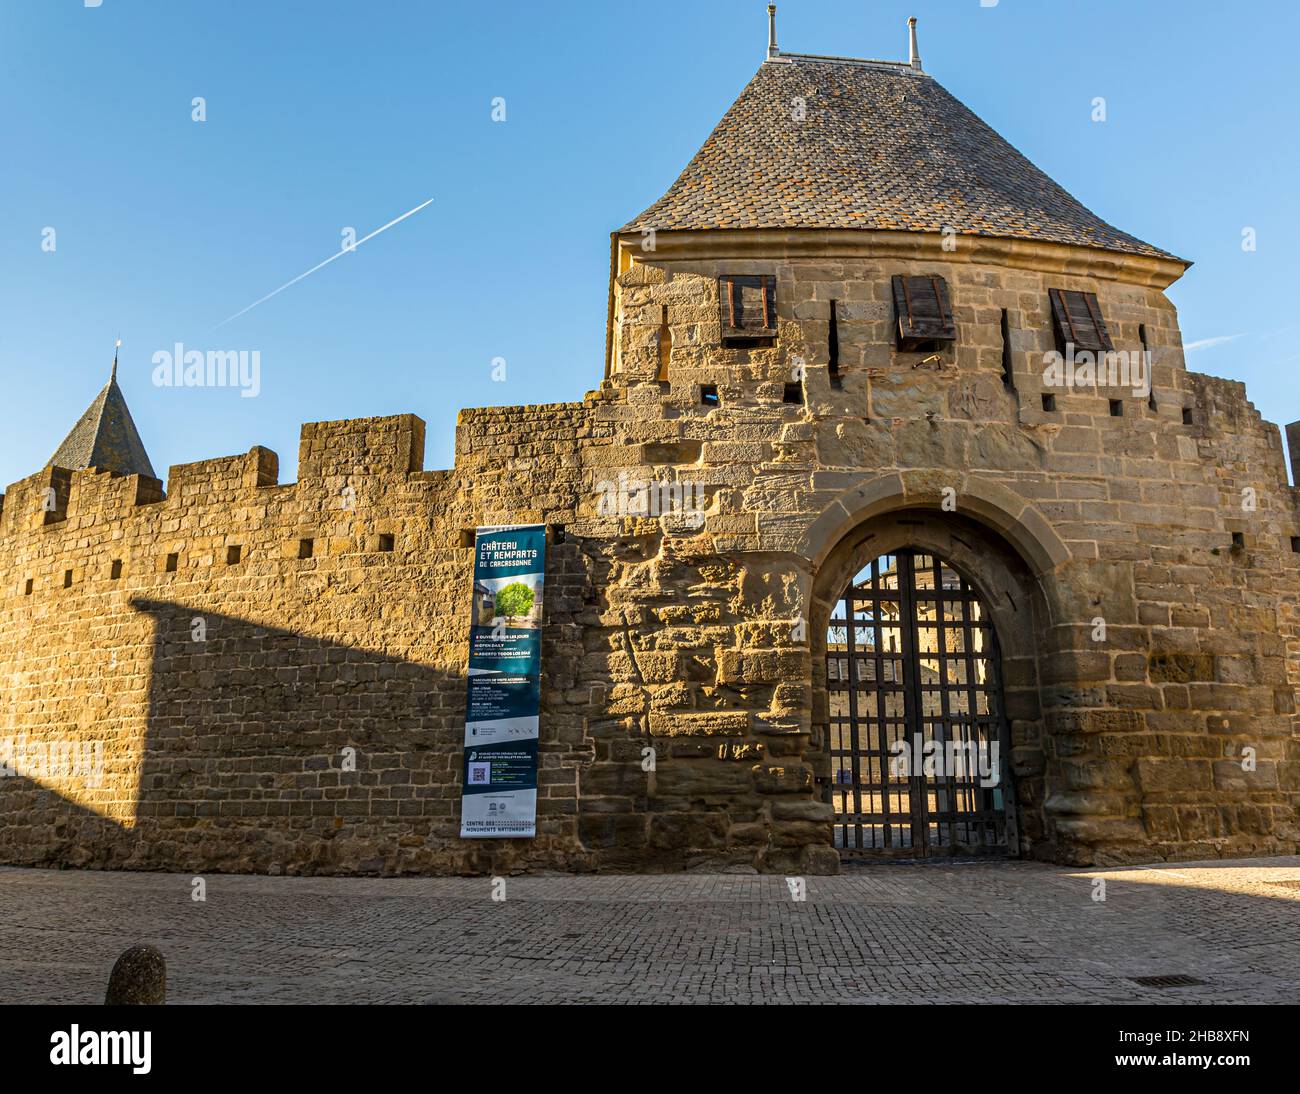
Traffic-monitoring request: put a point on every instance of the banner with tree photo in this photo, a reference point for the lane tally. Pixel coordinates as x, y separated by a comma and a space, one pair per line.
499, 793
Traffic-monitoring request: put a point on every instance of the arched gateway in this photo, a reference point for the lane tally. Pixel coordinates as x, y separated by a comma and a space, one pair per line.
916, 727
927, 635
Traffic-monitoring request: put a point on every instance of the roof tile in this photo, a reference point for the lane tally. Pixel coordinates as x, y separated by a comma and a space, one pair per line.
881, 147
105, 437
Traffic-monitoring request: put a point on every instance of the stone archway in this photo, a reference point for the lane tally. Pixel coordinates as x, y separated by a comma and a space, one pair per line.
917, 735
1017, 614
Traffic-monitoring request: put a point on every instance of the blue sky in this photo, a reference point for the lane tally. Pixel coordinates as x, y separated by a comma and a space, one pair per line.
326, 115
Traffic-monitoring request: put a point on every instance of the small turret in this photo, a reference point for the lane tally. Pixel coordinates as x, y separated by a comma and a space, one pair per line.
105, 436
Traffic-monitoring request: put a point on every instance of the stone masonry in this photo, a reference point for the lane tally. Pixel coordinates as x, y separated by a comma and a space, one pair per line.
227, 640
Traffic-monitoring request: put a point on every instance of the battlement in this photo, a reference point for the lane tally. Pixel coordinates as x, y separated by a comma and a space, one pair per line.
55, 495
485, 429
352, 449
361, 446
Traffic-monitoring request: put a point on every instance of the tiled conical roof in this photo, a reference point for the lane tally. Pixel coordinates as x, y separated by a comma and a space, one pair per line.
880, 146
105, 437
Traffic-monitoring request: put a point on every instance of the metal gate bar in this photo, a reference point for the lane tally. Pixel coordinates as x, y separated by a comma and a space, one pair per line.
912, 657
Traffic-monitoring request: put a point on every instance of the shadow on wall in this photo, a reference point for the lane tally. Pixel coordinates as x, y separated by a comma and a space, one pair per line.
244, 765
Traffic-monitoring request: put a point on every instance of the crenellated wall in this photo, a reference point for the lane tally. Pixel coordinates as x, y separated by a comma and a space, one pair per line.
224, 691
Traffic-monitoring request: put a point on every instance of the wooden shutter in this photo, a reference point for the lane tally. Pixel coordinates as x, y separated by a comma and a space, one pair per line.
747, 305
1078, 320
924, 311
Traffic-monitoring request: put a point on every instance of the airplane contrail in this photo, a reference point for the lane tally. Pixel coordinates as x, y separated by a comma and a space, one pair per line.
308, 273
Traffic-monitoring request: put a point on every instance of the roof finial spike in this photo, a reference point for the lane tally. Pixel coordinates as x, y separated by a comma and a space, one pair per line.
772, 51
913, 54
116, 346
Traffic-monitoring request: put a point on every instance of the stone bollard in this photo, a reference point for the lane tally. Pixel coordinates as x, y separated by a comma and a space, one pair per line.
139, 976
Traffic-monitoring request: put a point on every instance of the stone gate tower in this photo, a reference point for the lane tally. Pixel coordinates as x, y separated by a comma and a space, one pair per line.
897, 526
842, 318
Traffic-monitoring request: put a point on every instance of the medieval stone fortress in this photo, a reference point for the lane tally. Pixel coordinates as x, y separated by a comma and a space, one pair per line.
896, 527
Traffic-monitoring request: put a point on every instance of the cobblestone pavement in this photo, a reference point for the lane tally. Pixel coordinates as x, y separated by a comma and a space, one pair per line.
1001, 932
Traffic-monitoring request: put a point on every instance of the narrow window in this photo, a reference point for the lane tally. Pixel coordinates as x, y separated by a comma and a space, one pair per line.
833, 346
1146, 364
665, 345
232, 556
27, 589
747, 308
1117, 408
305, 548
709, 395
1049, 402
1295, 546
924, 313
1187, 415
67, 579
1238, 540
793, 393
1008, 369
1078, 321
171, 563
385, 541
115, 571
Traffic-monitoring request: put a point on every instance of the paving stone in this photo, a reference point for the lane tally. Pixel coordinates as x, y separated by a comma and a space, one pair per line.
1013, 932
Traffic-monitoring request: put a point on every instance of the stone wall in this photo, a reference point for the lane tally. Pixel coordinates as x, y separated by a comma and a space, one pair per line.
226, 691
695, 637
1127, 748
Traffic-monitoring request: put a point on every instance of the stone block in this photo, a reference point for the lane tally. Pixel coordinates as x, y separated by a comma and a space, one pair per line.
1159, 775
1180, 668
787, 779
699, 723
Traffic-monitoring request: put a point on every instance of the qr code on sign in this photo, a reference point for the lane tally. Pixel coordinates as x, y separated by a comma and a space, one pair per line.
480, 774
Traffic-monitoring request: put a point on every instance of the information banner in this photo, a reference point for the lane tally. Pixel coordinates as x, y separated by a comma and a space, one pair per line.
499, 795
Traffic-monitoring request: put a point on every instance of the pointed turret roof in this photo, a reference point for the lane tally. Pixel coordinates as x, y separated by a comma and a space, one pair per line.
831, 142
105, 437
